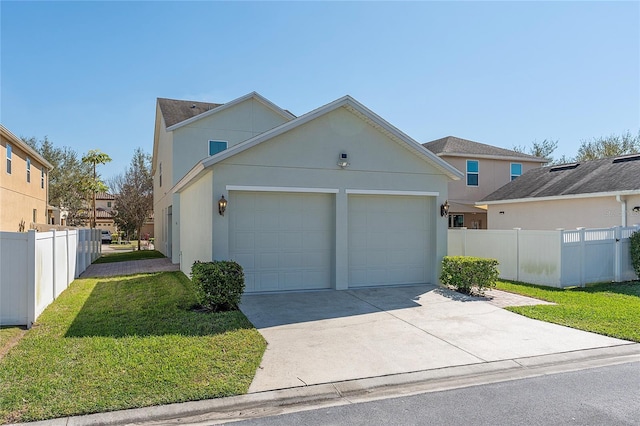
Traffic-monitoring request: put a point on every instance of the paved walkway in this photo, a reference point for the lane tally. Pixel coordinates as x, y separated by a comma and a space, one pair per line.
502, 299
130, 267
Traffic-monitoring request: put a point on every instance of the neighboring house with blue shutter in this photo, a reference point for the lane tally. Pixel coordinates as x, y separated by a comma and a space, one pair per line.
336, 198
486, 169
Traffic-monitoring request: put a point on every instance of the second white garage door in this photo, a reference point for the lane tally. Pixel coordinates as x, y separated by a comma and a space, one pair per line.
284, 241
389, 240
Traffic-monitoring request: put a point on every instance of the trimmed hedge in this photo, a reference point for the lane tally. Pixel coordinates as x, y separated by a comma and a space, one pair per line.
465, 273
218, 285
635, 252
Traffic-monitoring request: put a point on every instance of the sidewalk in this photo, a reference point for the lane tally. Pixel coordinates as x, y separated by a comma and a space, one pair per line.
131, 267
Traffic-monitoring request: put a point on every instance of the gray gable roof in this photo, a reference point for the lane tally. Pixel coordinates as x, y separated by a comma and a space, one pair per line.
608, 175
175, 111
452, 145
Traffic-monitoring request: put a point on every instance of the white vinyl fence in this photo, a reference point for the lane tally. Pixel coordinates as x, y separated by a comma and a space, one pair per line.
35, 267
552, 258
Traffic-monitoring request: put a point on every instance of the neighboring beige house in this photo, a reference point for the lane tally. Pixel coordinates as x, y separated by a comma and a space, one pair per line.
24, 184
336, 198
486, 169
590, 194
104, 207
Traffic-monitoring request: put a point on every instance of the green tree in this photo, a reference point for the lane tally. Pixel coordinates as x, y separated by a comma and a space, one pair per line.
133, 193
67, 179
543, 149
609, 146
95, 184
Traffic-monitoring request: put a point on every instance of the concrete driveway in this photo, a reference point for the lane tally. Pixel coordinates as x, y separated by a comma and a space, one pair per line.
328, 336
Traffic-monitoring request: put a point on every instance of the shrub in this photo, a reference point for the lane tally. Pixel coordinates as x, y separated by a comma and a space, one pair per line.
635, 252
464, 273
218, 285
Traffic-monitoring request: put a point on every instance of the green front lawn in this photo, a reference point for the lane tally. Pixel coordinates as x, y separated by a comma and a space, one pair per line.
7, 335
612, 309
129, 255
123, 342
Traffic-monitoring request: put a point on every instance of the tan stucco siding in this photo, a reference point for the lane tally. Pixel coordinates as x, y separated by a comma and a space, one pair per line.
19, 198
599, 212
493, 174
233, 125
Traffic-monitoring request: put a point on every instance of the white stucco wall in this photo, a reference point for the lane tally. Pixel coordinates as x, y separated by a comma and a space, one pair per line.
162, 195
598, 212
196, 230
234, 125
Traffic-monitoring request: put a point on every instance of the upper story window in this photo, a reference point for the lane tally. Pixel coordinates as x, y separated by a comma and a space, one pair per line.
217, 146
28, 170
108, 203
516, 170
8, 159
473, 169
160, 173
42, 177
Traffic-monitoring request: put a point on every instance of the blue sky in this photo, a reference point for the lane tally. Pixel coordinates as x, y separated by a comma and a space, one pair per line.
87, 74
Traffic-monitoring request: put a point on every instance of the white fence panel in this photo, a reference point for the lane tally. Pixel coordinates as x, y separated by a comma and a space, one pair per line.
36, 267
539, 257
497, 244
13, 272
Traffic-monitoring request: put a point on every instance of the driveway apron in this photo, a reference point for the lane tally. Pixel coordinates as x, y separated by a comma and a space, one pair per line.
328, 336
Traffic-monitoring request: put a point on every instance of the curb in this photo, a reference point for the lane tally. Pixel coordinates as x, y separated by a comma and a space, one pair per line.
274, 402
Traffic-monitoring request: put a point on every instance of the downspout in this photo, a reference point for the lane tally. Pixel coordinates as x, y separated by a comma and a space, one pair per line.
623, 209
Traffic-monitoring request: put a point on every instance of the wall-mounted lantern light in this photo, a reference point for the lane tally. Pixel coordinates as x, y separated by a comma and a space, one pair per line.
636, 209
501, 212
222, 205
444, 208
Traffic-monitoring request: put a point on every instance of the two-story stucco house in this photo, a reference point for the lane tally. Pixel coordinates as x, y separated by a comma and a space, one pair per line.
24, 184
336, 198
486, 169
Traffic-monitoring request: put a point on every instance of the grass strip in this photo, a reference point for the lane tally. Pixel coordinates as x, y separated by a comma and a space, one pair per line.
129, 255
612, 309
126, 342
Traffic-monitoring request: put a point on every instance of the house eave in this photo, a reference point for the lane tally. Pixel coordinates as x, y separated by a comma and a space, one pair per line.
492, 157
561, 197
25, 147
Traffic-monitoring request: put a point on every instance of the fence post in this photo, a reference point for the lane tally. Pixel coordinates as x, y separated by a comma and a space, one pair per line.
68, 249
582, 252
31, 277
464, 240
53, 263
517, 253
617, 266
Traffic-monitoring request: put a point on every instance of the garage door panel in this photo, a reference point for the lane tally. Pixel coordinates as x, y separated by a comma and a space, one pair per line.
388, 240
292, 239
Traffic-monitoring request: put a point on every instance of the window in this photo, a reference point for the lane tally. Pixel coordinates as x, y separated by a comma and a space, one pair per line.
42, 177
35, 215
8, 159
456, 220
29, 171
108, 203
216, 147
472, 172
516, 170
160, 172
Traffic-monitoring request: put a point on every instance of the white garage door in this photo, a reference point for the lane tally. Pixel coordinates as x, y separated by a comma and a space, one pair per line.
284, 241
389, 240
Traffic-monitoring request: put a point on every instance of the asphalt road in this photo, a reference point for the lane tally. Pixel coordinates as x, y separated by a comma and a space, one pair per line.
600, 396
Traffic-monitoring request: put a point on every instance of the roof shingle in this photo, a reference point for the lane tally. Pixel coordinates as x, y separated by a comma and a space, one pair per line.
454, 145
605, 175
175, 111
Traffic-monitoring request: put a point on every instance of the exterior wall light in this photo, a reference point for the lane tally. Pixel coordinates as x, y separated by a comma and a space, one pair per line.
501, 212
222, 205
343, 160
444, 209
636, 209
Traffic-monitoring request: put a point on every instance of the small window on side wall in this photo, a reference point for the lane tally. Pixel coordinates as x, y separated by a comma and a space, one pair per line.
217, 146
516, 170
473, 171
9, 151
